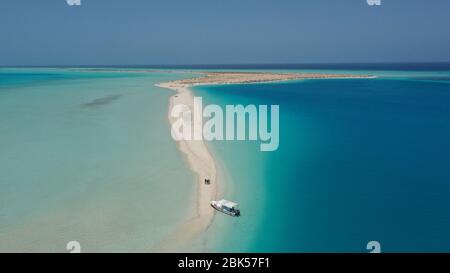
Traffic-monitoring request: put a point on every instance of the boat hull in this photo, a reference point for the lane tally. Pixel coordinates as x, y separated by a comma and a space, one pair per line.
234, 214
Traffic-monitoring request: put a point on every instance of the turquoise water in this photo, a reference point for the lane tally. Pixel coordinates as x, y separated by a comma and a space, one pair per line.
88, 156
359, 160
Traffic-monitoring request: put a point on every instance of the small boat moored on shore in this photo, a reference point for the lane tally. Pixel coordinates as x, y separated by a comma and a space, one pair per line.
227, 207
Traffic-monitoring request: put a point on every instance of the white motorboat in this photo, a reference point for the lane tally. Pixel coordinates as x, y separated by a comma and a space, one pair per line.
227, 207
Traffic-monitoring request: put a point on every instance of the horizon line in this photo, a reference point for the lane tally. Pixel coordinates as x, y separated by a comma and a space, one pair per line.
439, 66
224, 64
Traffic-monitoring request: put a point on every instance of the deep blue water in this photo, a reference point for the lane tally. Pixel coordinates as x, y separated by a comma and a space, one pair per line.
359, 160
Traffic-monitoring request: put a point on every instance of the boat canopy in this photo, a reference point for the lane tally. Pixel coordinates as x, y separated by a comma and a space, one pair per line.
227, 203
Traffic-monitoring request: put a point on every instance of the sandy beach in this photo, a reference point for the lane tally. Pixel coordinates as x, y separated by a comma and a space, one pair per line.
203, 165
197, 154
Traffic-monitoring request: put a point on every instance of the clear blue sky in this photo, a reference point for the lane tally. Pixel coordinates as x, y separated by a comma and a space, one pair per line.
107, 32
